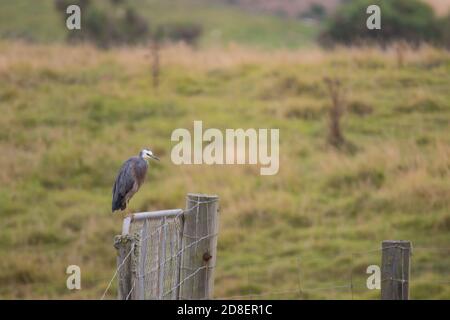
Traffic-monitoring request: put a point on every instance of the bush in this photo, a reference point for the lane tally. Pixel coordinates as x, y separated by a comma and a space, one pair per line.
134, 27
187, 32
106, 28
409, 20
316, 11
121, 24
98, 27
444, 27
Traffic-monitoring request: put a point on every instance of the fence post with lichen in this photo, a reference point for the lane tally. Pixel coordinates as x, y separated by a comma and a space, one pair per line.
199, 242
125, 248
395, 267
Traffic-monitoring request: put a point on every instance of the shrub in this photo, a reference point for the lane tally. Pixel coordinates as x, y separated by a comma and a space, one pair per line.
316, 11
409, 20
444, 27
106, 28
134, 27
187, 32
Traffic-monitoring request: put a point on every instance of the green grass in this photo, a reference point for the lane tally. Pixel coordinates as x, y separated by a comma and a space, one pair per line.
31, 20
39, 21
71, 116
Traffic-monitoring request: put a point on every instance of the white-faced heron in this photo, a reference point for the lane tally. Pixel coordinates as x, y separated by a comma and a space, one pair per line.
130, 178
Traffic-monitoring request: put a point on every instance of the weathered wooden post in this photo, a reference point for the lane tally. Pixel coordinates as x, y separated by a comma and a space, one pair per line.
395, 267
335, 136
125, 247
199, 247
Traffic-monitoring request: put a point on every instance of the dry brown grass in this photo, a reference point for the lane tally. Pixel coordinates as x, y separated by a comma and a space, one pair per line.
62, 57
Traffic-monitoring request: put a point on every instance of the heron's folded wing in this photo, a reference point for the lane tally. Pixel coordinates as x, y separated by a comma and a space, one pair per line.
125, 179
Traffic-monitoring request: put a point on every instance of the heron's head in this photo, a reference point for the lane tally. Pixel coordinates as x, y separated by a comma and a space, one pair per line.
147, 154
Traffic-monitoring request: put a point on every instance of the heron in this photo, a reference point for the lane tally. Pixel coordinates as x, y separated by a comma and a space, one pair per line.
130, 178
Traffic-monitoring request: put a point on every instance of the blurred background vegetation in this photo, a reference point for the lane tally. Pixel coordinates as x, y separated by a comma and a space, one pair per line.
76, 104
265, 23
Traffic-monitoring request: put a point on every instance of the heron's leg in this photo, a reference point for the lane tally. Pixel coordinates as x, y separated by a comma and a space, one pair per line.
125, 213
128, 210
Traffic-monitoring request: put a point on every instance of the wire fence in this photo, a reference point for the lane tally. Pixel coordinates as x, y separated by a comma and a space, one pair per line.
163, 252
429, 271
347, 289
347, 283
167, 255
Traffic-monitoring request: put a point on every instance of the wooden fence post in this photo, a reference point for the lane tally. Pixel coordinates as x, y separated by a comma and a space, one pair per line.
395, 267
124, 244
199, 247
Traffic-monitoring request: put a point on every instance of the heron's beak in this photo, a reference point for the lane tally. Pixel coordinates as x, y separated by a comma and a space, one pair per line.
154, 157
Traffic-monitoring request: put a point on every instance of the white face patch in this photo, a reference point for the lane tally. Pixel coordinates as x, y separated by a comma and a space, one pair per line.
147, 154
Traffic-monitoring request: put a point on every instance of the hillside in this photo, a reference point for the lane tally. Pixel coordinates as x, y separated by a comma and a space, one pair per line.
222, 24
291, 8
294, 8
72, 115
259, 23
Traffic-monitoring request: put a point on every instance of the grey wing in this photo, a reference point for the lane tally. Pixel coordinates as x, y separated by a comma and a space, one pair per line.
124, 183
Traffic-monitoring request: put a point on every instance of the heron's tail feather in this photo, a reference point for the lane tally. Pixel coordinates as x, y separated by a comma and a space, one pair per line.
118, 203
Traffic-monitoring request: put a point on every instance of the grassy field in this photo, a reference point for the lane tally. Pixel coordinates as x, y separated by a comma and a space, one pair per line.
71, 115
39, 21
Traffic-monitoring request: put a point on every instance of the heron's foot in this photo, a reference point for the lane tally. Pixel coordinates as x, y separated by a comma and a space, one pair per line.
128, 213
